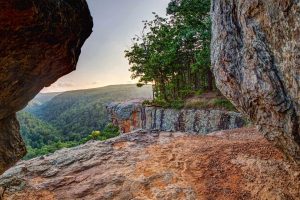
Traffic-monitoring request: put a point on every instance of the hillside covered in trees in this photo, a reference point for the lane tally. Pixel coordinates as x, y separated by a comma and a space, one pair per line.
68, 119
39, 100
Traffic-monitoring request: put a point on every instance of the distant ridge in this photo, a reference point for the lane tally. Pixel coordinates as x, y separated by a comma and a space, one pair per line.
72, 115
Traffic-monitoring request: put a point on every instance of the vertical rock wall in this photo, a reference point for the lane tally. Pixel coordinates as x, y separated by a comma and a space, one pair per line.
256, 62
11, 143
132, 115
41, 41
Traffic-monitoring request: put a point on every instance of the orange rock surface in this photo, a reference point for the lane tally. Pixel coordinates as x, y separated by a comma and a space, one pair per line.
236, 164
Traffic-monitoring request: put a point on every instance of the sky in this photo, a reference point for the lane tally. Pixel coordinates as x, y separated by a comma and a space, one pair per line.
102, 60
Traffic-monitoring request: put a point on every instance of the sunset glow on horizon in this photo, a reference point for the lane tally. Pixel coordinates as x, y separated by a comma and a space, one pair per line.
102, 60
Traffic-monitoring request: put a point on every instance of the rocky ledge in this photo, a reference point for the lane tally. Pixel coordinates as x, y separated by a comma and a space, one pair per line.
235, 164
133, 115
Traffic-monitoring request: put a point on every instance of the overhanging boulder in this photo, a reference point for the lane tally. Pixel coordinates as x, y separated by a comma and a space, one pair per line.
40, 42
256, 61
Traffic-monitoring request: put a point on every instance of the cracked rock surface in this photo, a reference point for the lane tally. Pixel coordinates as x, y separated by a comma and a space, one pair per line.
256, 62
234, 164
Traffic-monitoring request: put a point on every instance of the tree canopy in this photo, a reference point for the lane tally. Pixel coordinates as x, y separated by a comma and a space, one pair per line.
173, 53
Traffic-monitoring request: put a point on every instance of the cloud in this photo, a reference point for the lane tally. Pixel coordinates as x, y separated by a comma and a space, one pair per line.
65, 84
60, 87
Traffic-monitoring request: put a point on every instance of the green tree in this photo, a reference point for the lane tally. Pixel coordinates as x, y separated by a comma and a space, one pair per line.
95, 135
173, 53
194, 19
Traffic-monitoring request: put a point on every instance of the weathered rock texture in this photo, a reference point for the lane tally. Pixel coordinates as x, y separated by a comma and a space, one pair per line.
132, 115
236, 164
11, 143
256, 62
40, 42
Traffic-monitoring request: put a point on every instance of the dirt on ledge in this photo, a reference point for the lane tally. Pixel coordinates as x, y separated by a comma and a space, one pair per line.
236, 164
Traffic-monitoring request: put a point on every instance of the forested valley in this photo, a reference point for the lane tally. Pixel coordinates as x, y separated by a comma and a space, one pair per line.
56, 120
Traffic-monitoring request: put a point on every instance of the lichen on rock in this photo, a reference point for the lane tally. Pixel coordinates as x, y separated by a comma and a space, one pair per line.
256, 62
40, 42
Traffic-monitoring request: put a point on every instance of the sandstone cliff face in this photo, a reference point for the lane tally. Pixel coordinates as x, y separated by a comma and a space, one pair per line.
132, 115
256, 62
236, 164
40, 42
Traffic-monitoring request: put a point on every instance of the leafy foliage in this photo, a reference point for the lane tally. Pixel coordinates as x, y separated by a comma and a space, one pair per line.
36, 132
110, 131
95, 135
50, 148
71, 118
173, 53
77, 113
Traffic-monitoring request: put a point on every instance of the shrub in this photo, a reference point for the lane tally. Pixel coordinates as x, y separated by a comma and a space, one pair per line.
160, 103
147, 103
110, 131
224, 103
177, 104
95, 135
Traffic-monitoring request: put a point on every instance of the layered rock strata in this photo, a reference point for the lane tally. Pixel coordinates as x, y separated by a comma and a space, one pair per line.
132, 115
256, 62
40, 42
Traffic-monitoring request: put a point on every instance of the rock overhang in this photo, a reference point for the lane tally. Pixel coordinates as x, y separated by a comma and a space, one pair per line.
40, 42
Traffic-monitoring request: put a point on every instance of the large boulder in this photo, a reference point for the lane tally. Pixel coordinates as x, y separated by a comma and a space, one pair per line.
256, 61
40, 42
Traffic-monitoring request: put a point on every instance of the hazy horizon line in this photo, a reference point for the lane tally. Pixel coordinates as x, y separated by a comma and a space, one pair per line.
91, 88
